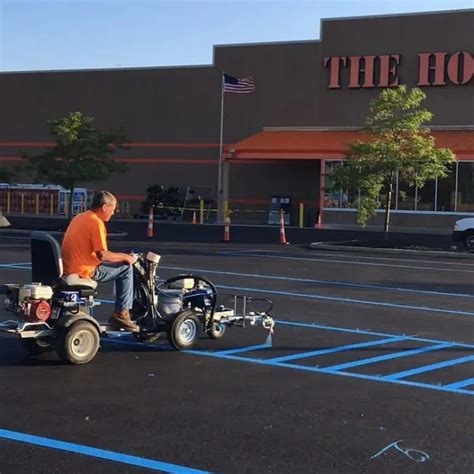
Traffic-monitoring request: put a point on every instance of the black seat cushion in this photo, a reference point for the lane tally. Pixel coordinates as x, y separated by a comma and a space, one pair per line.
84, 291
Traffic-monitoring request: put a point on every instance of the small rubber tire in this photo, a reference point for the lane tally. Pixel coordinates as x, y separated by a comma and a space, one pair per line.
469, 241
184, 330
78, 343
217, 331
35, 347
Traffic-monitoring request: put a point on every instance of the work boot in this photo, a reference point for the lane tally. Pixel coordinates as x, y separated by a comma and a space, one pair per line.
121, 320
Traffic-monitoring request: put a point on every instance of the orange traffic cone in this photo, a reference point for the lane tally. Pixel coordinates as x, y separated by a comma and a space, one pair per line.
319, 222
149, 231
227, 229
282, 228
194, 218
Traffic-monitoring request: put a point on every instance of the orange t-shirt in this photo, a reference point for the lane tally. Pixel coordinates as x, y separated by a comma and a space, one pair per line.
85, 236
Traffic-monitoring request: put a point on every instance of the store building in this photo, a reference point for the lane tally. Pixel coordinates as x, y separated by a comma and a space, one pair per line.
311, 100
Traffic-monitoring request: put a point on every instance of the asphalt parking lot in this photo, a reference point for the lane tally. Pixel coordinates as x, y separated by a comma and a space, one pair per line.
371, 369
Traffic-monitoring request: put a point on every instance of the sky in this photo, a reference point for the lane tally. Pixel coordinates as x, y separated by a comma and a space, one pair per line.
91, 34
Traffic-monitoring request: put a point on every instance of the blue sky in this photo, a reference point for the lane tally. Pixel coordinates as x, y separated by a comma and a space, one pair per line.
81, 34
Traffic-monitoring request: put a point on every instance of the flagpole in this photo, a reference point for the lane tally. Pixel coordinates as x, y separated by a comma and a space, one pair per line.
220, 204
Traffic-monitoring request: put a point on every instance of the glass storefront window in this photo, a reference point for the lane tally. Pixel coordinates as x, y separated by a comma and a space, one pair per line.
406, 196
426, 196
465, 195
440, 195
332, 199
446, 191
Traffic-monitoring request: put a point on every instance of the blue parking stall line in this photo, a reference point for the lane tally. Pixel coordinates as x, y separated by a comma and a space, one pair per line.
353, 262
322, 282
84, 450
16, 266
105, 301
348, 347
348, 300
461, 383
348, 330
363, 331
332, 298
27, 266
243, 349
396, 355
355, 375
286, 365
429, 368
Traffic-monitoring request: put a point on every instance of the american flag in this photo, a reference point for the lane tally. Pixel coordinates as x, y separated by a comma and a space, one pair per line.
233, 85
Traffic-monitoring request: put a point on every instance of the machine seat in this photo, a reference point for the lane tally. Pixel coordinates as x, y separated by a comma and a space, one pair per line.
77, 281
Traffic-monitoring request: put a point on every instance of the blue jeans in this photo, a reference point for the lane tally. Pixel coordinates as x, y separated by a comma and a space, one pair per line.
122, 275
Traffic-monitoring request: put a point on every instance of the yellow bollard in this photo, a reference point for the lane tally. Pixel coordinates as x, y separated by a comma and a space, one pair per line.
201, 211
51, 210
37, 204
301, 214
22, 209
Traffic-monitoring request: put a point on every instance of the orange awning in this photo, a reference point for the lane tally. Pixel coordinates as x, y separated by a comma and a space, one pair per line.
331, 144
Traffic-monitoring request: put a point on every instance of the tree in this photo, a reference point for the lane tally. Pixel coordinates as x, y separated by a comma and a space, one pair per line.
7, 174
400, 146
81, 154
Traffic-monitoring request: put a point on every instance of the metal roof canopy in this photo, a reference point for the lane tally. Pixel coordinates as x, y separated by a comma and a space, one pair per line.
318, 143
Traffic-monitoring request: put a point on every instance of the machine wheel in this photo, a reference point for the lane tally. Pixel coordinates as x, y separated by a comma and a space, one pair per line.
78, 344
217, 331
141, 300
35, 347
184, 330
469, 242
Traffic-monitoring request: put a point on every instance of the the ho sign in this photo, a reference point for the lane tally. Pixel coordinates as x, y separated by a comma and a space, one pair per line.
434, 69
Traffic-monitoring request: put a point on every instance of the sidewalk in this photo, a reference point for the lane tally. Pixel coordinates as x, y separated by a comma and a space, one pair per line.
392, 230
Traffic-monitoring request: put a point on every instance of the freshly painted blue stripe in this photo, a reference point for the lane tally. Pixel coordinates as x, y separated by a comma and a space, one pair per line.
344, 300
348, 300
339, 373
321, 282
362, 331
345, 255
243, 349
396, 355
461, 383
340, 329
300, 367
429, 368
370, 264
331, 298
97, 453
348, 330
15, 266
332, 350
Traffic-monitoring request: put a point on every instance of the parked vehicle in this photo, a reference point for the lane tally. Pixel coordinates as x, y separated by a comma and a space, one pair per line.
464, 233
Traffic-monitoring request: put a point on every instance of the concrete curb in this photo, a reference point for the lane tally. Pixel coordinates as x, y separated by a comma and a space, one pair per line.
352, 248
27, 232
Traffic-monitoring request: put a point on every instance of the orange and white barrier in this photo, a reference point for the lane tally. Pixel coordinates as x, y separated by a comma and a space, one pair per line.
194, 221
227, 229
149, 231
282, 228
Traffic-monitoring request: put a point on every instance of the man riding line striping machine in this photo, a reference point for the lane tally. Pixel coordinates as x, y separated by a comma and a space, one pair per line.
56, 311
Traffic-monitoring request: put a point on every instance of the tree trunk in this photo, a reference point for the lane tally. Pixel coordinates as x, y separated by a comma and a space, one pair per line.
388, 205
